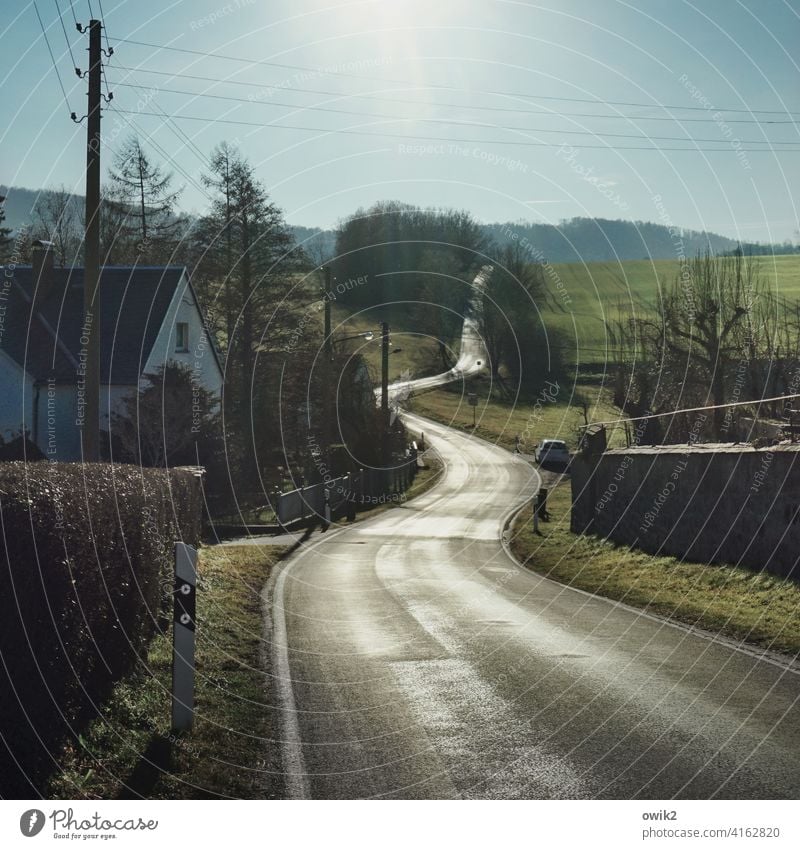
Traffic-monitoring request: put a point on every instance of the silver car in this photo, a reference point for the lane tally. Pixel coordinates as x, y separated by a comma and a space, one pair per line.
552, 451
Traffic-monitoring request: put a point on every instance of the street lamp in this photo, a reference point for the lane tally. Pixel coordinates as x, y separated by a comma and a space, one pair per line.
327, 302
385, 393
367, 335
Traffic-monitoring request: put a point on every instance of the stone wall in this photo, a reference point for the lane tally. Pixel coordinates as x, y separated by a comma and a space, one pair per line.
708, 503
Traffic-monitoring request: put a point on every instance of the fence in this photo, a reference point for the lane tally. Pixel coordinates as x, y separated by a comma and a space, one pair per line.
368, 488
746, 428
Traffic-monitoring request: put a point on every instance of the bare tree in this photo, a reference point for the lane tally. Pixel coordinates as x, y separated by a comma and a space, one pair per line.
703, 343
57, 219
6, 241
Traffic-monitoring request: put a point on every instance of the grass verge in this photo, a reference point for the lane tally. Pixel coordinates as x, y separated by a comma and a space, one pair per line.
129, 751
759, 608
500, 420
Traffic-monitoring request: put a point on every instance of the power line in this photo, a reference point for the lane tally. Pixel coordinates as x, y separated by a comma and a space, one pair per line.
109, 53
109, 49
525, 95
72, 9
52, 58
172, 125
514, 109
695, 410
109, 94
578, 145
177, 131
453, 122
166, 155
66, 38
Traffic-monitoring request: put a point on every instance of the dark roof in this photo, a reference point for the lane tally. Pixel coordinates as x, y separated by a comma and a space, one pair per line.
46, 340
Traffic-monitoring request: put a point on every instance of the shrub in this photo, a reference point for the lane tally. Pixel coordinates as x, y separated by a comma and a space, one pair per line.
85, 572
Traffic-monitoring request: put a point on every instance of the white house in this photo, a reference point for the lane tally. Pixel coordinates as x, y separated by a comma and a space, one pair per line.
150, 316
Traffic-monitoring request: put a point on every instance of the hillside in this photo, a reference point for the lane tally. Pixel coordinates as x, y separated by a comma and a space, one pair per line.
598, 293
573, 240
583, 298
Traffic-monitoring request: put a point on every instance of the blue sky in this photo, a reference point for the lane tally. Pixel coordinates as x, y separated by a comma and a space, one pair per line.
463, 104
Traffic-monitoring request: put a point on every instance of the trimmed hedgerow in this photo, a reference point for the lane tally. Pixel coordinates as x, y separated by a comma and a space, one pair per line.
85, 575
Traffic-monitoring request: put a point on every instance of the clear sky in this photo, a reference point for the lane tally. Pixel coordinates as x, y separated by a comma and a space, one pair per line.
474, 104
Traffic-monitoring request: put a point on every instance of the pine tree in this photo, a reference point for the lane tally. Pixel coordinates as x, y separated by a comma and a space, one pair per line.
247, 270
143, 191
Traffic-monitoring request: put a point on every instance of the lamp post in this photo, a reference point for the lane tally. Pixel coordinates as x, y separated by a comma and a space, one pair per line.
328, 347
327, 301
367, 335
385, 394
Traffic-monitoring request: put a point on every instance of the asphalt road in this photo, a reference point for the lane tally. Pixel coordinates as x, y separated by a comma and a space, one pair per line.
414, 659
472, 356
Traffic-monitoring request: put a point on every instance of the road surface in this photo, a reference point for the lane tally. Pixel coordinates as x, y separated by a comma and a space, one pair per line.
472, 357
414, 659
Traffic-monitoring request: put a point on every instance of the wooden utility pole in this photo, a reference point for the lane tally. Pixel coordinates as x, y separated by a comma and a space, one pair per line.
328, 341
327, 370
385, 394
90, 333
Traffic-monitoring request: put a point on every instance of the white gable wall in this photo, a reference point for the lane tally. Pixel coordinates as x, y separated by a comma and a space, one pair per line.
200, 356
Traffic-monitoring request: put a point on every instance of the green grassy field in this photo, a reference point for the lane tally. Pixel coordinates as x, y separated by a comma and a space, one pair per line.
500, 419
582, 301
599, 291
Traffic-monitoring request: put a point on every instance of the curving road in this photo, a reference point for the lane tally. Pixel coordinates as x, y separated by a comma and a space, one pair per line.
413, 658
472, 357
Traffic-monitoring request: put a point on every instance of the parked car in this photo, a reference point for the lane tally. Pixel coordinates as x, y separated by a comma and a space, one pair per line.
552, 451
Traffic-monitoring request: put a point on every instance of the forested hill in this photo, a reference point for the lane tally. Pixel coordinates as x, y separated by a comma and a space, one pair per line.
573, 240
601, 239
587, 240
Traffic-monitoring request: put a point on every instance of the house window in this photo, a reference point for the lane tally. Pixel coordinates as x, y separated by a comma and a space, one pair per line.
182, 336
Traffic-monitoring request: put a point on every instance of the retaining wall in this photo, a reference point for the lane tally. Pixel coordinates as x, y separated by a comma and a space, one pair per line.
709, 503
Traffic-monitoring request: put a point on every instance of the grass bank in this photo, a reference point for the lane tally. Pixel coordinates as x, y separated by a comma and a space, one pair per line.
500, 419
129, 750
600, 292
413, 354
759, 608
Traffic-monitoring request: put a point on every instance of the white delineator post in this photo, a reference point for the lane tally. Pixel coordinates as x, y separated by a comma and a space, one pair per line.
183, 626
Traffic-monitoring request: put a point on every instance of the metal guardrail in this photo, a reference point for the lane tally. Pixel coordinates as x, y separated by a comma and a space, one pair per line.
368, 488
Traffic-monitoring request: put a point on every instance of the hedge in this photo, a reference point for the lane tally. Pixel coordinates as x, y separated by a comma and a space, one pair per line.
84, 579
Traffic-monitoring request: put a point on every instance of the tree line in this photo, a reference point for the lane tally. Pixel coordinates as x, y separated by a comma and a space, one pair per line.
718, 335
417, 268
